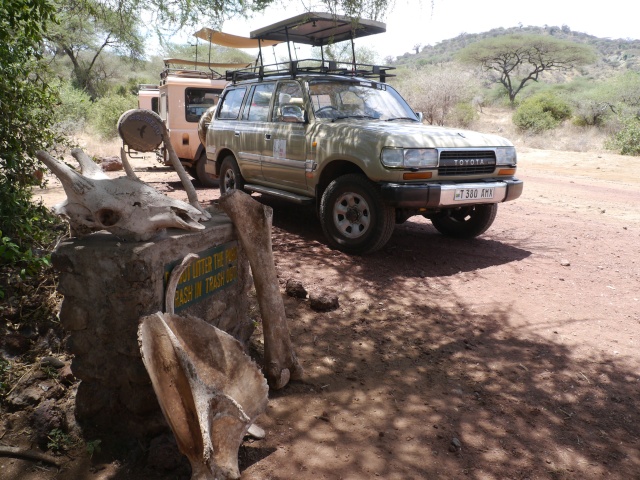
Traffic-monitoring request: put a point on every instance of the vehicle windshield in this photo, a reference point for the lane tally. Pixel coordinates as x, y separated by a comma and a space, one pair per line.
336, 99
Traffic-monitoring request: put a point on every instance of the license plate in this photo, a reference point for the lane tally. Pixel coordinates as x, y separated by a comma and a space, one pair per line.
479, 193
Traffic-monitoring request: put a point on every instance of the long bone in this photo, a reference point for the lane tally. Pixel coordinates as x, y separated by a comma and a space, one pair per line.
252, 222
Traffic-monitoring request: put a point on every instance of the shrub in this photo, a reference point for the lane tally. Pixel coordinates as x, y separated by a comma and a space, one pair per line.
74, 109
627, 139
541, 112
106, 111
462, 115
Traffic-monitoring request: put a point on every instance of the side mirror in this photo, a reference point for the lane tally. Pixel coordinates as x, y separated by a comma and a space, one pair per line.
419, 115
292, 114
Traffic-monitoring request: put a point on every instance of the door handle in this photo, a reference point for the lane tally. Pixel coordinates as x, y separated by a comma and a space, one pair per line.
236, 134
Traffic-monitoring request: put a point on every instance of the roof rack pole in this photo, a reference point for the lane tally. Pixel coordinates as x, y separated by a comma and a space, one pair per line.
286, 32
353, 52
259, 53
196, 65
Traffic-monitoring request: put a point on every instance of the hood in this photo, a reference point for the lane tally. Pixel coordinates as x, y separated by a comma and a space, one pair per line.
408, 134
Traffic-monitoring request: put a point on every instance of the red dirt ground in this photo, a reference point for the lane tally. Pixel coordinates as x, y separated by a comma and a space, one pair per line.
512, 356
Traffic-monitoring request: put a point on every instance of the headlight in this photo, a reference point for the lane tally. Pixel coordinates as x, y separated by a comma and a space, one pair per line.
409, 157
506, 156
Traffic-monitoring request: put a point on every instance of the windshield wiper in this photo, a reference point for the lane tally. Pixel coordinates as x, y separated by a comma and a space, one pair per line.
401, 118
342, 117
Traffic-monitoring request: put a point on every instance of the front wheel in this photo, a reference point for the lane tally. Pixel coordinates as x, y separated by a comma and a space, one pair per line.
206, 179
230, 176
465, 222
354, 217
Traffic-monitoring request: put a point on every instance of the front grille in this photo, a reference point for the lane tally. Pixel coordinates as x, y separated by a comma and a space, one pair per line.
466, 162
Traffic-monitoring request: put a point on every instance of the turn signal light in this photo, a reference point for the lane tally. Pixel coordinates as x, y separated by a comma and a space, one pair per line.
507, 171
417, 176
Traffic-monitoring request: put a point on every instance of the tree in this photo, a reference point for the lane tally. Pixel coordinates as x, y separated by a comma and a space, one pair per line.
436, 91
515, 60
28, 105
88, 28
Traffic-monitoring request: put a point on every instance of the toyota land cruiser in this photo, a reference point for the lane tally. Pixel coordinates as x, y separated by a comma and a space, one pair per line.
340, 138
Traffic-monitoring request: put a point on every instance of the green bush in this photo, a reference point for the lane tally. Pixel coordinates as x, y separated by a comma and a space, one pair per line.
462, 115
106, 111
74, 109
626, 140
541, 112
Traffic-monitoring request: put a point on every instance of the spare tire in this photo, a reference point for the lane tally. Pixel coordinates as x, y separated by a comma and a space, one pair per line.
141, 130
203, 124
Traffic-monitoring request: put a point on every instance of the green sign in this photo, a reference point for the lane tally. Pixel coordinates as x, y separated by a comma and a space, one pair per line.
217, 268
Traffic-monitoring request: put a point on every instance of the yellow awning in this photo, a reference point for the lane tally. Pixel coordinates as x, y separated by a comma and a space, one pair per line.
232, 41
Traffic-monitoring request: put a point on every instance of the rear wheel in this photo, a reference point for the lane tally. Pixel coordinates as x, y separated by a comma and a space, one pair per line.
465, 222
353, 216
206, 179
230, 176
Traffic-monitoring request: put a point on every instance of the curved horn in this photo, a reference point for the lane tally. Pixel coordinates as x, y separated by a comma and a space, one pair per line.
70, 178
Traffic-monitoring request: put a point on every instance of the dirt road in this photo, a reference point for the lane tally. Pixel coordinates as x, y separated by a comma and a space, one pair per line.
515, 355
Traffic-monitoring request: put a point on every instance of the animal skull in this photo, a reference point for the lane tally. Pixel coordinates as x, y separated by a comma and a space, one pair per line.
209, 390
124, 206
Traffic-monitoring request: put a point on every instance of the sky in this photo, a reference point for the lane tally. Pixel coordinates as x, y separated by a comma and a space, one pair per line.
413, 22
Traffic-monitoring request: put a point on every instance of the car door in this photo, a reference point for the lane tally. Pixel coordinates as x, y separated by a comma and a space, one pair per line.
253, 128
284, 152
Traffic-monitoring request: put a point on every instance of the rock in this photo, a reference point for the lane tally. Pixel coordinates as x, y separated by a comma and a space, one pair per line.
110, 164
565, 263
295, 289
45, 418
52, 362
21, 398
66, 376
323, 302
455, 445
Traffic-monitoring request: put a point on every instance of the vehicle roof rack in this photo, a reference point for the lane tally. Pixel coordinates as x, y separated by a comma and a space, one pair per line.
318, 30
311, 67
176, 66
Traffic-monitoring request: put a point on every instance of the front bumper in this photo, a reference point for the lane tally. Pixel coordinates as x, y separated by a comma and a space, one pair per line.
436, 195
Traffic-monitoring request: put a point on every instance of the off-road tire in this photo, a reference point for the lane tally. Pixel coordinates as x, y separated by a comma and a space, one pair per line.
230, 176
465, 222
354, 217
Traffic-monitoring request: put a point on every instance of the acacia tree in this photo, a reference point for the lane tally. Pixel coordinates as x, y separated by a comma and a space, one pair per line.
515, 60
88, 28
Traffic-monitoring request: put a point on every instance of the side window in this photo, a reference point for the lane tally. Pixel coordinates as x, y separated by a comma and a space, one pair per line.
231, 103
199, 100
289, 102
258, 108
154, 104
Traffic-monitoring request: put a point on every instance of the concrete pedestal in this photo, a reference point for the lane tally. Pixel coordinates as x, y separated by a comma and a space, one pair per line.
109, 284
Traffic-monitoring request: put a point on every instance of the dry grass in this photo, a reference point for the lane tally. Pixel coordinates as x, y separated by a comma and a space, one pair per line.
94, 146
567, 137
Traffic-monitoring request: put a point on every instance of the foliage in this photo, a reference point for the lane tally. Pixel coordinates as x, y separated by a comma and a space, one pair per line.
515, 60
73, 109
5, 374
93, 446
627, 139
106, 112
86, 30
435, 91
541, 112
26, 125
59, 441
462, 115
